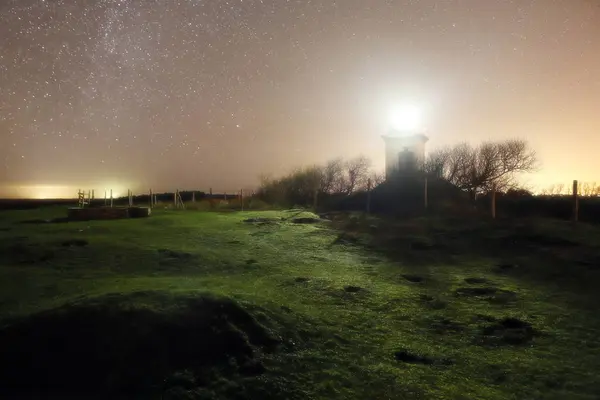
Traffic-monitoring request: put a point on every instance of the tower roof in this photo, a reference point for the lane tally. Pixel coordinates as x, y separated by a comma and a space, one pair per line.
418, 136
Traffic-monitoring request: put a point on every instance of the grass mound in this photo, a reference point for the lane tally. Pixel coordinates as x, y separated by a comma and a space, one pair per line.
144, 342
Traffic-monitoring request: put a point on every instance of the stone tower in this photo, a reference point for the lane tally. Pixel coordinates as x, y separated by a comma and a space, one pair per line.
404, 152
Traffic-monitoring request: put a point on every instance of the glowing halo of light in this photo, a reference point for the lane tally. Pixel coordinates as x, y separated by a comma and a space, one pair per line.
404, 117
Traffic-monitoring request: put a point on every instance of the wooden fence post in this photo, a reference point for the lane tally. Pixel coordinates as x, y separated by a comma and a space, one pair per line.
151, 199
242, 198
575, 201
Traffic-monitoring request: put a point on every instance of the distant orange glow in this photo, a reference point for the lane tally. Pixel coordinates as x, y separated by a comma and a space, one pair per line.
56, 192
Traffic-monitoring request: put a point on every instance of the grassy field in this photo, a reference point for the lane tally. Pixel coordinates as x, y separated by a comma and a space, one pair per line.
200, 305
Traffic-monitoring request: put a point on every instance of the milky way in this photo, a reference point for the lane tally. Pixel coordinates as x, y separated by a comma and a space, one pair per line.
197, 94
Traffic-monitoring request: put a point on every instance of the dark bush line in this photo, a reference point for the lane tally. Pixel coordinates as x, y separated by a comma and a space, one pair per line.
558, 207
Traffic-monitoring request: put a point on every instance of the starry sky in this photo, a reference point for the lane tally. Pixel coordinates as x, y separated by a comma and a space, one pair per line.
193, 94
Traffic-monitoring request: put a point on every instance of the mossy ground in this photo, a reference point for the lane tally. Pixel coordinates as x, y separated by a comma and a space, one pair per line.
353, 308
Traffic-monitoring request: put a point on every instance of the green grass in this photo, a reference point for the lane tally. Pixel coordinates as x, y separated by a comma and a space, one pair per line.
362, 307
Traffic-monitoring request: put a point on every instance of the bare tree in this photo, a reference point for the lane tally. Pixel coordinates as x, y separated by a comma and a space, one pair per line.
356, 174
492, 166
303, 186
304, 181
331, 175
589, 189
437, 162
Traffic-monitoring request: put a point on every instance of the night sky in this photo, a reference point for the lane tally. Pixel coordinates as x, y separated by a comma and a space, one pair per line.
195, 94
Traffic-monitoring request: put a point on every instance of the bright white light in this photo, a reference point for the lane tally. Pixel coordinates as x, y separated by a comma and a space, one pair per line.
405, 118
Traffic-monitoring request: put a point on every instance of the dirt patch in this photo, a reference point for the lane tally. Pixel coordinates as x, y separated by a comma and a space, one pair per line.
125, 345
412, 358
262, 221
476, 281
413, 278
352, 289
74, 243
306, 220
511, 331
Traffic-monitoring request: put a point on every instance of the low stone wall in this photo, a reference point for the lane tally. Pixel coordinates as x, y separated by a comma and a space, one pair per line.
85, 214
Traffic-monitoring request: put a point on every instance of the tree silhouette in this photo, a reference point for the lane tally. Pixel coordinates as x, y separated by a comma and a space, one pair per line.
491, 166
